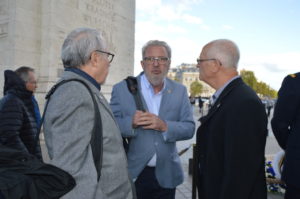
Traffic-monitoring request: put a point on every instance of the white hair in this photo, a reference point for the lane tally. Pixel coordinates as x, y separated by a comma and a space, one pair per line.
225, 51
78, 46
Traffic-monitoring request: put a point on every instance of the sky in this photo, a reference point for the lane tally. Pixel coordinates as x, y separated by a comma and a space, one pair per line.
267, 32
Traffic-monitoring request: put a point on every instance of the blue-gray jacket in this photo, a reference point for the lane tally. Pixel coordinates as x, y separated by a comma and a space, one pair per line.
176, 111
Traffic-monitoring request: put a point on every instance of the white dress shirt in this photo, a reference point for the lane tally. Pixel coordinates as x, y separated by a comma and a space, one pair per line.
153, 103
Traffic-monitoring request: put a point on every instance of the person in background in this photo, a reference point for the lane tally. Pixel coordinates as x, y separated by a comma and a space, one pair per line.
200, 104
18, 119
69, 121
153, 160
286, 128
231, 138
269, 106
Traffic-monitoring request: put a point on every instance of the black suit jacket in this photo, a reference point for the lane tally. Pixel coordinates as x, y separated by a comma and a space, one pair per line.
286, 127
231, 144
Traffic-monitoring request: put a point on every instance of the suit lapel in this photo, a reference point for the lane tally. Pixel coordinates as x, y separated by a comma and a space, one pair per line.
166, 97
220, 99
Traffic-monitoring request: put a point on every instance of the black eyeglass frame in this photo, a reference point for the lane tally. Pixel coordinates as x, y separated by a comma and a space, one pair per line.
212, 59
109, 54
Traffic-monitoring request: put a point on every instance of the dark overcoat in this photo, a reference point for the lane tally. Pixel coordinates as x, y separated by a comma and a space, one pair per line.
231, 144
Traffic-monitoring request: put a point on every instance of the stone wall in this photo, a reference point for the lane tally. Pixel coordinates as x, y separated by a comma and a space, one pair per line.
32, 32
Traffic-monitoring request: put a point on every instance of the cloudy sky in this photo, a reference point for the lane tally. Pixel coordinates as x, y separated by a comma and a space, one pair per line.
266, 31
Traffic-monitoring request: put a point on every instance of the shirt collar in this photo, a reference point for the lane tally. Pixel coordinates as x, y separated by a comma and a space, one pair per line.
85, 76
220, 90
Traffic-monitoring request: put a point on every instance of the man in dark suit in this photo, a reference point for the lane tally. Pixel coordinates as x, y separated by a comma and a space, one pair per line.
232, 136
286, 128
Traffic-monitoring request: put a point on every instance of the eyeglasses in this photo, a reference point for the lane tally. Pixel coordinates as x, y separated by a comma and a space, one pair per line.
199, 61
110, 56
160, 60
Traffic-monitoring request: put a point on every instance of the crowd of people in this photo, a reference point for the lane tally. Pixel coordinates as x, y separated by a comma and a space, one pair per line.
230, 141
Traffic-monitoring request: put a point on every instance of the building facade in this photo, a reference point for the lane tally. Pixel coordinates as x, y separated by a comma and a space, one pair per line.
32, 33
187, 74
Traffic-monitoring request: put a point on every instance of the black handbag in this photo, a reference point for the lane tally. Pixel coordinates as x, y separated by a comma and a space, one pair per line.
23, 176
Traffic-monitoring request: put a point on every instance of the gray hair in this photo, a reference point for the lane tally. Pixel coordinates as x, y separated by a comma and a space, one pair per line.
225, 51
23, 72
78, 46
156, 43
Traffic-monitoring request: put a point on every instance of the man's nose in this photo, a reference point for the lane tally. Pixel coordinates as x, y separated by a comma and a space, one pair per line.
155, 63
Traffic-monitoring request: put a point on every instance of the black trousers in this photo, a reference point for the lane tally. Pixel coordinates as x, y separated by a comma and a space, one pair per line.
147, 186
292, 192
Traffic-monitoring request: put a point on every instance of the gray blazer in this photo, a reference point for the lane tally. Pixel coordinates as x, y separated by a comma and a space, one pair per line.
176, 111
68, 126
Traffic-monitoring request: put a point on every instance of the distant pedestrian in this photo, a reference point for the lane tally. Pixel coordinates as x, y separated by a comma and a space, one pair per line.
192, 100
286, 128
231, 139
269, 106
200, 104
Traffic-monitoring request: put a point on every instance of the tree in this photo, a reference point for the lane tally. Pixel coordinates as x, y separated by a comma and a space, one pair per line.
249, 78
196, 88
259, 87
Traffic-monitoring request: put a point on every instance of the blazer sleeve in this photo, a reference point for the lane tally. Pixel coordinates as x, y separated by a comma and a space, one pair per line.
286, 109
69, 123
116, 104
184, 127
245, 139
11, 121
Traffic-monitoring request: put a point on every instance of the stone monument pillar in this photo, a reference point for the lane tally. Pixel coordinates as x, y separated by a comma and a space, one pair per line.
32, 33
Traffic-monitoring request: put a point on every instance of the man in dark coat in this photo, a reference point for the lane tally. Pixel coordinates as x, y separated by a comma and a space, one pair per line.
18, 121
200, 104
232, 136
286, 128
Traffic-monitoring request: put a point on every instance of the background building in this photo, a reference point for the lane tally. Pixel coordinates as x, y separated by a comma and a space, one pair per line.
32, 33
187, 74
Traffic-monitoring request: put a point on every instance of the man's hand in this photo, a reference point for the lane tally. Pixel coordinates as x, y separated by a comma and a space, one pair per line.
148, 121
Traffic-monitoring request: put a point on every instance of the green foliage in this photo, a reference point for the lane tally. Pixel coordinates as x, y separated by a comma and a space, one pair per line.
259, 87
249, 78
196, 88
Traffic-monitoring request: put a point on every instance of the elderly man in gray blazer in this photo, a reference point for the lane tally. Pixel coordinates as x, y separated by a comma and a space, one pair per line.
153, 160
69, 122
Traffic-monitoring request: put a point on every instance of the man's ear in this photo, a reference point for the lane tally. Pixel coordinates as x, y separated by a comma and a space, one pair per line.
94, 58
215, 67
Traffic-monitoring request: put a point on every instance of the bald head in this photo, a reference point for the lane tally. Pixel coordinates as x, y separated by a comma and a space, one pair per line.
224, 50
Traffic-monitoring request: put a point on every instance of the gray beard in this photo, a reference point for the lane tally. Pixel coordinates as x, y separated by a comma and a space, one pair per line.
155, 80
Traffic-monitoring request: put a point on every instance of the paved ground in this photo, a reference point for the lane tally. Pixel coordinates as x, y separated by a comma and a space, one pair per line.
184, 191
